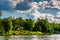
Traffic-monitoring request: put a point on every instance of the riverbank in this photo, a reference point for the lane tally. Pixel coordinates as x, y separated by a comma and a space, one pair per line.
25, 32
22, 32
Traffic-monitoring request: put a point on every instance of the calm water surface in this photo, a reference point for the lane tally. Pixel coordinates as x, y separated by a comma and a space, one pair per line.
32, 37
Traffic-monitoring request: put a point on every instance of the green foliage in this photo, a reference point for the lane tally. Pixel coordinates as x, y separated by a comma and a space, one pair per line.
14, 26
29, 24
26, 32
1, 27
55, 26
44, 26
7, 24
37, 28
17, 23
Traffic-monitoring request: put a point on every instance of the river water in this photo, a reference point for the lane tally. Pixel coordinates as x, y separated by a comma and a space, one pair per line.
31, 37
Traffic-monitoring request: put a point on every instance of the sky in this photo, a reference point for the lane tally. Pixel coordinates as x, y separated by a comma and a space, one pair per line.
32, 9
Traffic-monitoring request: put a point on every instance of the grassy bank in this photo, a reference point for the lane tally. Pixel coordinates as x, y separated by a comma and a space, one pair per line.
25, 32
22, 32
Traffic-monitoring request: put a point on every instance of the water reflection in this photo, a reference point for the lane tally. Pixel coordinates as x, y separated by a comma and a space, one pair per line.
7, 38
32, 37
38, 37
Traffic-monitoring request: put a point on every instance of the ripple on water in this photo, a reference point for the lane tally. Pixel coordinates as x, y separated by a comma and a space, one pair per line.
32, 37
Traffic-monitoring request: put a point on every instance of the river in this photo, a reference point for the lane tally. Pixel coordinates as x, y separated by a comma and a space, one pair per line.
32, 37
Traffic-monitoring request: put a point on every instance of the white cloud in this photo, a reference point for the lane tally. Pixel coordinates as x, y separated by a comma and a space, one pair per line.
45, 4
58, 14
12, 2
34, 14
15, 2
57, 17
54, 4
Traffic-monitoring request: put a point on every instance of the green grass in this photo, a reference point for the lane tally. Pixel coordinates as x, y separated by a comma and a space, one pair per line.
25, 32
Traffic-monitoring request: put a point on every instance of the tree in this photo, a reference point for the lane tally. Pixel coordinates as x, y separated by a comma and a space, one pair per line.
17, 23
49, 28
59, 27
29, 24
37, 28
1, 27
55, 26
7, 24
20, 21
43, 25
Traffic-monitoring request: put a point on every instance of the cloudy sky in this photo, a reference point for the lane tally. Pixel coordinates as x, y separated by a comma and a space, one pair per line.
30, 8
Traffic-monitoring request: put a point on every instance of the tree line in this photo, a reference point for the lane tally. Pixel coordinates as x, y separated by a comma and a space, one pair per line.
13, 24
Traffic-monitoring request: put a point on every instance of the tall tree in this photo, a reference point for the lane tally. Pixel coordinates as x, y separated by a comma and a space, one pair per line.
1, 27
29, 24
7, 24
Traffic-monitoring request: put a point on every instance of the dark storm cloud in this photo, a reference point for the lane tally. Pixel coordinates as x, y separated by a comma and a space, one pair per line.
10, 4
24, 5
5, 5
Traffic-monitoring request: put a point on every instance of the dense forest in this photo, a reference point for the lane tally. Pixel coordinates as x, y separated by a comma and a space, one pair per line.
17, 26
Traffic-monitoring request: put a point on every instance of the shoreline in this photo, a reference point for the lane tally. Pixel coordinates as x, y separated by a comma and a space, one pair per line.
24, 32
